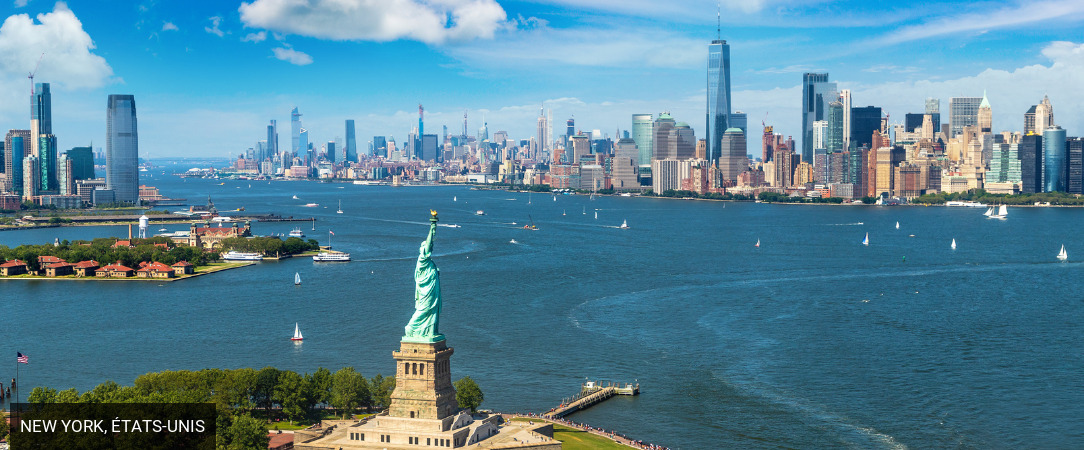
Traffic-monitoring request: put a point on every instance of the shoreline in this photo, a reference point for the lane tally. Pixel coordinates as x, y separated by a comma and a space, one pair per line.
209, 270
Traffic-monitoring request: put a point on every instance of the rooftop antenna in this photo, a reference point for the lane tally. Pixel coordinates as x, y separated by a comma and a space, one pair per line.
719, 21
31, 76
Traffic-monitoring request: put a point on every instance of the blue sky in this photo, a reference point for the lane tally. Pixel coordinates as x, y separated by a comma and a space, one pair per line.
208, 76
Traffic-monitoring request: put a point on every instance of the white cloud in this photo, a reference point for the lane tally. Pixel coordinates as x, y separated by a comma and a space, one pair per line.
432, 21
67, 61
169, 26
985, 19
213, 29
21, 3
292, 56
255, 37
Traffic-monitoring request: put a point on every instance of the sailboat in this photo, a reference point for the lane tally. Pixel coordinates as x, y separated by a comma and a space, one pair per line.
297, 333
989, 212
596, 215
585, 210
954, 243
313, 224
757, 244
897, 225
455, 198
866, 240
624, 225
530, 226
1062, 255
297, 279
340, 211
563, 213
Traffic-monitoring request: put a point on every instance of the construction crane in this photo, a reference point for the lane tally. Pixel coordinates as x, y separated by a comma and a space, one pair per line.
31, 76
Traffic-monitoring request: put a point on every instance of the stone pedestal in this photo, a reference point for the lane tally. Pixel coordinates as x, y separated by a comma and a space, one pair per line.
423, 382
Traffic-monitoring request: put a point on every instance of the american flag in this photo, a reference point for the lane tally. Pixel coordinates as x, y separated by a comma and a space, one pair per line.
19, 356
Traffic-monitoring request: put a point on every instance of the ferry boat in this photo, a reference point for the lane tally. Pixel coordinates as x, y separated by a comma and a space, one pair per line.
296, 232
330, 256
241, 256
966, 204
311, 205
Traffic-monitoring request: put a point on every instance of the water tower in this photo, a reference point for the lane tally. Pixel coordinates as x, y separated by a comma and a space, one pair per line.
143, 222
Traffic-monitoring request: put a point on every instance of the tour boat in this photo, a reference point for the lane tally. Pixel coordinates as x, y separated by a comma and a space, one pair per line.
241, 256
1062, 255
479, 213
297, 333
296, 232
954, 243
340, 211
330, 256
624, 225
311, 205
866, 240
297, 279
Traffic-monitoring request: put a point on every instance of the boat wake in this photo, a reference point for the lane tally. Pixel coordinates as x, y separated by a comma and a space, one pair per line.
844, 224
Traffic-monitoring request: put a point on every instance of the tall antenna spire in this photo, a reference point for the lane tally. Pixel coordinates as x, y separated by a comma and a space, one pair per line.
719, 21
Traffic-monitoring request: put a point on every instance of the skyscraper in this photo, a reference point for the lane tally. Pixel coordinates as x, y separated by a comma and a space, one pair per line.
933, 108
41, 115
845, 99
543, 130
817, 92
864, 121
122, 149
295, 133
570, 130
16, 148
661, 135
718, 118
642, 133
963, 112
1075, 166
1044, 115
82, 159
351, 142
740, 121
47, 163
734, 160
380, 146
272, 141
1030, 152
1054, 159
985, 115
835, 118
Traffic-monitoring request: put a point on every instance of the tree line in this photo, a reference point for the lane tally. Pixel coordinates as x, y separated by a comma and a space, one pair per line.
271, 245
103, 251
980, 195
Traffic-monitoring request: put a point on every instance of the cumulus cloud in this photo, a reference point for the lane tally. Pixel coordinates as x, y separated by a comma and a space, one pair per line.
428, 21
20, 3
213, 29
584, 47
169, 26
255, 37
292, 56
68, 60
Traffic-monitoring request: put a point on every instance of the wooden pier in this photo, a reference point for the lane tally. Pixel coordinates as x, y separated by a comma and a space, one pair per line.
591, 393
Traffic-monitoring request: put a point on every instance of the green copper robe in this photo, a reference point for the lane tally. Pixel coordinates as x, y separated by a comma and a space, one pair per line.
423, 324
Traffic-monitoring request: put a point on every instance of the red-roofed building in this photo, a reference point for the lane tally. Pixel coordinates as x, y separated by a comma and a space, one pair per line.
162, 245
124, 243
280, 441
86, 268
184, 268
155, 270
13, 267
210, 238
59, 269
45, 260
114, 271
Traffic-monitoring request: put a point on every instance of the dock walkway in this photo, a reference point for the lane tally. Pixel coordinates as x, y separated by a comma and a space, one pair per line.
591, 393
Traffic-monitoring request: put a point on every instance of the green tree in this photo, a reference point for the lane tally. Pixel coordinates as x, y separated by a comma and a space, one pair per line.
349, 390
290, 394
242, 432
468, 394
318, 390
382, 388
264, 390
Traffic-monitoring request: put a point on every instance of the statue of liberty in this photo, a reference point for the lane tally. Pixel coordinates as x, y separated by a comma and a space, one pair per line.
423, 326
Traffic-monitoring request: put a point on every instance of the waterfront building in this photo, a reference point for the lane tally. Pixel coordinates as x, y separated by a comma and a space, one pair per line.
718, 116
1044, 116
351, 150
864, 121
41, 115
1005, 165
642, 133
665, 175
817, 92
1054, 159
122, 149
985, 115
963, 112
16, 147
1074, 149
734, 159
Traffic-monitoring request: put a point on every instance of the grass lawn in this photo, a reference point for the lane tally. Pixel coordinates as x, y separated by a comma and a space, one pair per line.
286, 426
573, 439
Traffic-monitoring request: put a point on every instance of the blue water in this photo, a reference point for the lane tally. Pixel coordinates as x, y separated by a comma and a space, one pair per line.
809, 341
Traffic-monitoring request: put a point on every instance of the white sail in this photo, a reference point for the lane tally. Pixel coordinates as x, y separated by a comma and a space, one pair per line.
297, 333
1062, 255
866, 240
297, 278
1003, 211
954, 243
596, 215
989, 212
455, 198
758, 243
897, 225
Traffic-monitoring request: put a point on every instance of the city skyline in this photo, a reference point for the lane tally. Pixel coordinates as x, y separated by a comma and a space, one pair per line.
221, 72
